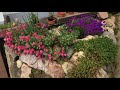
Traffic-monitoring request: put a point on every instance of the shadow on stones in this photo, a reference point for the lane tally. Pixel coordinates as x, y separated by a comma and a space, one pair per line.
2, 49
38, 74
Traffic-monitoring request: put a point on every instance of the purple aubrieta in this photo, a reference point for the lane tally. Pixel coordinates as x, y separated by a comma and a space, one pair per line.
90, 25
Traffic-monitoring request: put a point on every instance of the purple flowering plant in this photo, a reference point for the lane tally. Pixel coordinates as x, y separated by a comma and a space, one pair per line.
88, 23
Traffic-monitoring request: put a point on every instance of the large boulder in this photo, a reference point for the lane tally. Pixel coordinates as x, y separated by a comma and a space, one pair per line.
12, 53
67, 66
55, 70
41, 65
110, 34
89, 37
110, 23
103, 15
70, 52
102, 74
25, 71
30, 60
113, 19
56, 32
75, 56
19, 63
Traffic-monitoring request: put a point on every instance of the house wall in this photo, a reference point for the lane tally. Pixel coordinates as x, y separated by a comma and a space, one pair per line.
19, 15
1, 18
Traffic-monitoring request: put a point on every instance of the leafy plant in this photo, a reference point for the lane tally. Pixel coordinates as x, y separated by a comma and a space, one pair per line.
32, 18
66, 40
48, 41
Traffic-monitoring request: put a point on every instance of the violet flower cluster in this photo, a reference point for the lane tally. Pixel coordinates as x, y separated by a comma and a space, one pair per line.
90, 25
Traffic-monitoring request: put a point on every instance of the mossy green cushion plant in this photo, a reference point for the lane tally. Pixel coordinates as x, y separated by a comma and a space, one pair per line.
102, 49
86, 69
99, 52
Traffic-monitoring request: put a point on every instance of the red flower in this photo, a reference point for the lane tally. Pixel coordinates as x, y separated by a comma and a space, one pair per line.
22, 38
40, 43
27, 38
31, 51
19, 48
38, 57
42, 46
41, 51
49, 56
23, 26
27, 45
65, 54
35, 34
43, 25
37, 53
22, 33
34, 43
8, 33
55, 53
61, 54
46, 50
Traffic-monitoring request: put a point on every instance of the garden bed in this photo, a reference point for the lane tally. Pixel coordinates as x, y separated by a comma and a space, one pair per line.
81, 48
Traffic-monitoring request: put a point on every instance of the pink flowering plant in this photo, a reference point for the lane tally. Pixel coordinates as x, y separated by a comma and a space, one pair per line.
32, 38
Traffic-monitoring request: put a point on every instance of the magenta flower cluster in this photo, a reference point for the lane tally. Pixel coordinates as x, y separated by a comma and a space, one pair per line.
24, 44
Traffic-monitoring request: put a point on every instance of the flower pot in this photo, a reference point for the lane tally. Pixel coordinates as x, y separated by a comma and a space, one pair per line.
61, 14
70, 13
51, 21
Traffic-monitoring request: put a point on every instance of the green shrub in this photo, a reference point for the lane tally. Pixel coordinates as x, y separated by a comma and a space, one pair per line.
66, 40
78, 32
86, 69
48, 41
